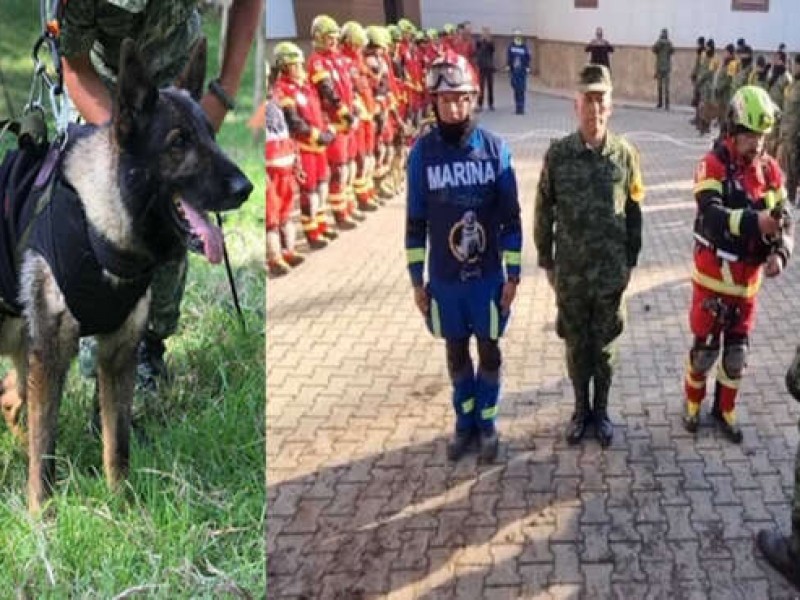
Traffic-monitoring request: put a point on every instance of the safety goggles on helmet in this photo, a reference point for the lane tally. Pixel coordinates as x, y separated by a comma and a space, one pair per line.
449, 77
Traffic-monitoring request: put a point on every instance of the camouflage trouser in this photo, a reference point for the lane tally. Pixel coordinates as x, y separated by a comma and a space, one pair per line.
787, 157
590, 321
662, 85
796, 504
169, 282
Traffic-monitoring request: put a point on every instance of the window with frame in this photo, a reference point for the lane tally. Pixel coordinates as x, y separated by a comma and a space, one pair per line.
750, 5
586, 3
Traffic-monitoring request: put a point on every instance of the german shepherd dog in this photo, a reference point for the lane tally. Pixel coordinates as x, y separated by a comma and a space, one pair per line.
136, 183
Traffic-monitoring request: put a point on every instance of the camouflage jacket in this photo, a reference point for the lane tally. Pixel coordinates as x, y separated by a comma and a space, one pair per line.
790, 118
587, 223
663, 50
164, 31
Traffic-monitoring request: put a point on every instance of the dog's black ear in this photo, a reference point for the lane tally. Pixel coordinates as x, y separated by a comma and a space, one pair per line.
136, 95
193, 75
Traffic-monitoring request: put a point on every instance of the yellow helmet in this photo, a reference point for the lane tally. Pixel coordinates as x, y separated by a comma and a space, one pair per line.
432, 33
378, 36
449, 29
751, 108
419, 36
353, 34
406, 26
321, 27
395, 33
287, 53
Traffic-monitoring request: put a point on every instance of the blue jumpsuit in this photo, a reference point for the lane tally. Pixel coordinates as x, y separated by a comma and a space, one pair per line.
518, 59
463, 217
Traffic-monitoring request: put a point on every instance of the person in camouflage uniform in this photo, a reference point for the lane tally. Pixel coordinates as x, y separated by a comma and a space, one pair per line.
700, 51
790, 132
705, 88
783, 552
745, 71
723, 84
663, 50
92, 32
588, 234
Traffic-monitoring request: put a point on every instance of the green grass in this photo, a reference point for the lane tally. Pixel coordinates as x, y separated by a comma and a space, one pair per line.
190, 523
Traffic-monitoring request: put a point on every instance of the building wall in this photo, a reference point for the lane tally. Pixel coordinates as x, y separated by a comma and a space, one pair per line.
501, 16
638, 22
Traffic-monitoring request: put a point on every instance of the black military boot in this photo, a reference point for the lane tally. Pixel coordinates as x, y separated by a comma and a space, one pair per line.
603, 427
150, 368
730, 430
582, 417
460, 444
778, 551
489, 444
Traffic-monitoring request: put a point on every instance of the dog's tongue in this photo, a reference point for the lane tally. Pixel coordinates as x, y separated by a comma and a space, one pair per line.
210, 235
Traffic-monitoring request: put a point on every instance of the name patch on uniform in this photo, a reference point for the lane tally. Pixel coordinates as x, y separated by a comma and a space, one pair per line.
460, 174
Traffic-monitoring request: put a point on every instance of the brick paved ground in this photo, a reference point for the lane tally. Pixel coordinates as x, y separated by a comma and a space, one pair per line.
363, 502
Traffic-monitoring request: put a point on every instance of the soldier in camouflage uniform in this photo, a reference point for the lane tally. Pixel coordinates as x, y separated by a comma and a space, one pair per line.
705, 88
663, 50
92, 32
790, 132
783, 552
588, 234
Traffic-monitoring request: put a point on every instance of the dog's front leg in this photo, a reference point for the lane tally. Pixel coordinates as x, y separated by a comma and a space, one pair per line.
46, 377
53, 335
116, 377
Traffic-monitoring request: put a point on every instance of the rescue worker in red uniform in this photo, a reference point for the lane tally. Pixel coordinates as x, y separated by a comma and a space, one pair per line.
330, 78
414, 73
743, 229
303, 114
354, 39
280, 154
377, 60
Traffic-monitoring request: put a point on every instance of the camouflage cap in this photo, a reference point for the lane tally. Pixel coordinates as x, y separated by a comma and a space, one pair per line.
594, 78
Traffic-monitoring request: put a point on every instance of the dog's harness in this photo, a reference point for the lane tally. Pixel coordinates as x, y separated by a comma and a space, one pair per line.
42, 212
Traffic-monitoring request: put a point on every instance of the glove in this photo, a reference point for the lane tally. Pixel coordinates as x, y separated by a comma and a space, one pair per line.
326, 137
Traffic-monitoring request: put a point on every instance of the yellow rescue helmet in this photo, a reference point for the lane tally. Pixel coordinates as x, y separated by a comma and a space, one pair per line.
287, 53
321, 27
353, 34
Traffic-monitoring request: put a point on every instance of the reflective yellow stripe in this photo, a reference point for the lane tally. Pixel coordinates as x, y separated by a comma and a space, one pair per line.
286, 101
320, 76
489, 413
708, 184
512, 257
436, 321
468, 406
731, 289
723, 378
693, 408
415, 255
725, 271
283, 161
730, 417
494, 321
310, 148
695, 383
772, 198
735, 221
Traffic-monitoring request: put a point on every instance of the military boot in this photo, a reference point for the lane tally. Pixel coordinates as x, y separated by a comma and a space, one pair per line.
778, 551
603, 427
489, 443
725, 421
691, 416
460, 444
582, 417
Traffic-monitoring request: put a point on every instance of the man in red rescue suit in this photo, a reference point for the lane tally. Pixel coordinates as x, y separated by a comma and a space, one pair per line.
307, 126
280, 154
354, 39
329, 75
743, 229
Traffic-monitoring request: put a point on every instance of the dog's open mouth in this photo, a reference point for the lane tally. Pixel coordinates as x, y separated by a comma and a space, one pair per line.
194, 223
